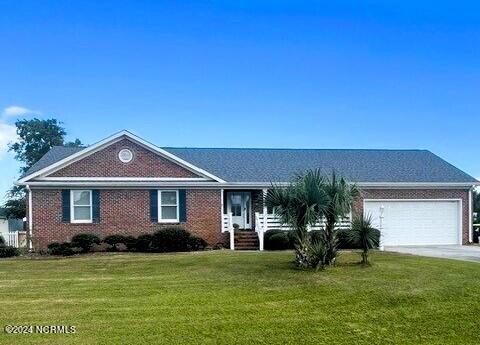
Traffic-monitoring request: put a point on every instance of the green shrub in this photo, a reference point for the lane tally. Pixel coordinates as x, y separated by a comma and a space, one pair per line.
269, 233
196, 243
172, 239
131, 243
2, 241
64, 249
8, 251
343, 239
278, 240
114, 241
85, 241
144, 243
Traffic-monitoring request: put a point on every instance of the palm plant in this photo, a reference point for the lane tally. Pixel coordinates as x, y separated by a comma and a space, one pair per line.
340, 194
300, 205
364, 235
317, 254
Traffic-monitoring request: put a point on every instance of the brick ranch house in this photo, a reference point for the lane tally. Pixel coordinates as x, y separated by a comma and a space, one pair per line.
126, 185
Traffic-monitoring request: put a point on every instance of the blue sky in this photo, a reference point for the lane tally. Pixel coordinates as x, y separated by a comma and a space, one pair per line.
340, 74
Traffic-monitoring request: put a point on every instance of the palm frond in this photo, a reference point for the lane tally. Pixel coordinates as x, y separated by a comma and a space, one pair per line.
364, 235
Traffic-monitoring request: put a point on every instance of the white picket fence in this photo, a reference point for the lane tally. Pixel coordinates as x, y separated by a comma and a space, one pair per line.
11, 238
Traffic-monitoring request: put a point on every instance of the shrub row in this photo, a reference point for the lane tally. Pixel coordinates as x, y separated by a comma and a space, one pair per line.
282, 240
173, 239
7, 251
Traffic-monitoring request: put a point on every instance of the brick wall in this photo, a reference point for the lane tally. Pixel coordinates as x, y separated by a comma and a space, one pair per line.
105, 163
419, 194
125, 212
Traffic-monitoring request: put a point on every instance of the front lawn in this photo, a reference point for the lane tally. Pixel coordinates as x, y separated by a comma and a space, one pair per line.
227, 297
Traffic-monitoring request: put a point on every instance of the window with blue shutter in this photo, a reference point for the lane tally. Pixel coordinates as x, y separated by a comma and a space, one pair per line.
95, 206
182, 196
154, 206
66, 205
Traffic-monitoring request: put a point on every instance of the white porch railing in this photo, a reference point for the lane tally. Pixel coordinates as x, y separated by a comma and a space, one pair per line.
11, 238
265, 222
227, 226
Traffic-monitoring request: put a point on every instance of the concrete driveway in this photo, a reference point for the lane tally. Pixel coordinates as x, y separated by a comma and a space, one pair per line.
465, 253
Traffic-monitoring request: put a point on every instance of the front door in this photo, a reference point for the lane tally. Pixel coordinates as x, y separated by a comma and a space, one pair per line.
240, 205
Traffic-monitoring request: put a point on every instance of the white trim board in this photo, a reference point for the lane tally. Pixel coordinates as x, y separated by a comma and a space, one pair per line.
72, 207
109, 141
145, 182
159, 207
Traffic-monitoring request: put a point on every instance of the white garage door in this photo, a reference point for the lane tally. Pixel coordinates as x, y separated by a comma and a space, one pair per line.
411, 222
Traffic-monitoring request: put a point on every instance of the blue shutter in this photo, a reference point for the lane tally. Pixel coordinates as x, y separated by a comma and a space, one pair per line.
182, 198
154, 206
95, 206
66, 205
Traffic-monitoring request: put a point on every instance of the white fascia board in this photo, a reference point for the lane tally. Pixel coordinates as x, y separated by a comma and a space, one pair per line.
108, 141
239, 185
422, 185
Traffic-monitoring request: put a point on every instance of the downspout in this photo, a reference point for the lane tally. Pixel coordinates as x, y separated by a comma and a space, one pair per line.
470, 215
382, 209
30, 219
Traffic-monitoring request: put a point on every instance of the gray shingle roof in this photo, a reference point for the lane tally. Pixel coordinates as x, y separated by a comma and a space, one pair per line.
280, 165
56, 153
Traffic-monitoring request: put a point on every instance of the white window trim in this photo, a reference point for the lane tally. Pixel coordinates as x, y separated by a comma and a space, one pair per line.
72, 213
159, 205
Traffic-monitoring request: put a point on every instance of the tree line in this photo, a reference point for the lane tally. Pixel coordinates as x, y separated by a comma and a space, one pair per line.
35, 138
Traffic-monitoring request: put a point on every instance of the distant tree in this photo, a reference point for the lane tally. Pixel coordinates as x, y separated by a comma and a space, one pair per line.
35, 138
476, 201
75, 143
15, 208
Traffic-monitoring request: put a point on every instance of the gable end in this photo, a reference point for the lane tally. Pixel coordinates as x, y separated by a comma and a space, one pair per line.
107, 163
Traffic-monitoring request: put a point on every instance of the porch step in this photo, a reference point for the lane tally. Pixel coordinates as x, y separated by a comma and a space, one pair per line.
246, 240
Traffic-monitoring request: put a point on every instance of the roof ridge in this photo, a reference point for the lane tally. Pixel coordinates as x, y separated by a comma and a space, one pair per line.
287, 149
69, 147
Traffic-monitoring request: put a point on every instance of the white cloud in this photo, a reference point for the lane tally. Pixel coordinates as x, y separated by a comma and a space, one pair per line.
7, 135
15, 110
7, 131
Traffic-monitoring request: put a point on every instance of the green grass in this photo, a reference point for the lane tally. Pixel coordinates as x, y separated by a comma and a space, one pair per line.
241, 298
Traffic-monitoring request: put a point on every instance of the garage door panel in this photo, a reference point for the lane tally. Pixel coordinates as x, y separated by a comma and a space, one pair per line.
411, 222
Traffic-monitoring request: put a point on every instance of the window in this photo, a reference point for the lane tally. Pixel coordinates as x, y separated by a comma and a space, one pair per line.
81, 206
168, 206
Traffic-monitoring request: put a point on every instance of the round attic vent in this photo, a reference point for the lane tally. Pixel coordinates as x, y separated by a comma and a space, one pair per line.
125, 155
